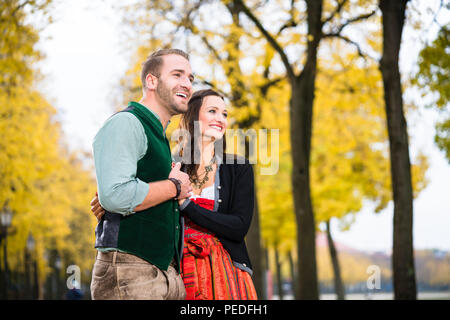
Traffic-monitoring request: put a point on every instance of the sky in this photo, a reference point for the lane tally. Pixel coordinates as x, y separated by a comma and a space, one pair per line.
87, 54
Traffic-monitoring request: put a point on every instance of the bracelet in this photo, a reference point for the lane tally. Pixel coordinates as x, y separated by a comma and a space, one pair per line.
177, 184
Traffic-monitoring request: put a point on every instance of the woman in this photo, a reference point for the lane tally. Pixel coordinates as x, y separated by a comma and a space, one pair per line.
215, 263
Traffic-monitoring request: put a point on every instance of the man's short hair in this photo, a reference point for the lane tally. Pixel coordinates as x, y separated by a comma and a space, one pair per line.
155, 61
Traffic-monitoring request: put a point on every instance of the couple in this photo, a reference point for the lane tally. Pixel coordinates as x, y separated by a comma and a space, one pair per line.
170, 231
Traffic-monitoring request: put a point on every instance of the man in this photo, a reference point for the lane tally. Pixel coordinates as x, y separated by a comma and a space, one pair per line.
138, 239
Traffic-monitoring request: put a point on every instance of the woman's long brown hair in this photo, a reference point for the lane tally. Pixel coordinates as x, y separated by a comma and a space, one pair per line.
187, 123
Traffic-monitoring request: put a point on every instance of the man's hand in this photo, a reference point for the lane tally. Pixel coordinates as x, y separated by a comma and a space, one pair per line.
96, 208
184, 178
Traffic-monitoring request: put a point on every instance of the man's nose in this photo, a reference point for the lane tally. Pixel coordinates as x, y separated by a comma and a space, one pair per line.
187, 84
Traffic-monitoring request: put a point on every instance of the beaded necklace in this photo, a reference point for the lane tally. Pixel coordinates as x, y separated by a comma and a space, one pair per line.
199, 183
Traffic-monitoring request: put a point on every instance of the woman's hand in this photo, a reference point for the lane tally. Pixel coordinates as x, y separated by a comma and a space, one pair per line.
96, 208
181, 201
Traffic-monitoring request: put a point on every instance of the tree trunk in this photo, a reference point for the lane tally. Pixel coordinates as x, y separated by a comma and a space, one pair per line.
268, 275
338, 284
2, 281
253, 241
393, 13
292, 270
37, 286
301, 106
279, 277
6, 274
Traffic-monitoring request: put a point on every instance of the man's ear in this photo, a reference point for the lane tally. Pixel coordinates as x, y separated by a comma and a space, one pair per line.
151, 81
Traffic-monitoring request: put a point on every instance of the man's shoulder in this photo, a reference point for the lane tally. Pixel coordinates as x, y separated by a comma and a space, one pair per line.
122, 123
123, 116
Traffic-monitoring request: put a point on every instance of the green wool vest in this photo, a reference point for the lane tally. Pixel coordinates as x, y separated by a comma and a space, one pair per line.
152, 234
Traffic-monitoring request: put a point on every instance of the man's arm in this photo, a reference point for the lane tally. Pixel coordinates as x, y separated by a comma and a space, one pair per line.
161, 191
118, 146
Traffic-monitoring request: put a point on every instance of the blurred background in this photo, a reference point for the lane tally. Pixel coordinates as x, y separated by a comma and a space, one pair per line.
317, 71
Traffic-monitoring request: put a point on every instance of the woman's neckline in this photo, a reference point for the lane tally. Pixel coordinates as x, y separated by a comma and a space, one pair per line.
203, 193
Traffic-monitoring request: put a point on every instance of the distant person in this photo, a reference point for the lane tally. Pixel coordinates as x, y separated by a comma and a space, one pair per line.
74, 294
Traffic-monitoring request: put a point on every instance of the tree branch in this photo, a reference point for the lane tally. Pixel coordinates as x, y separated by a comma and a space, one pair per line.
266, 86
186, 22
353, 20
337, 33
213, 86
335, 12
348, 40
210, 47
269, 38
291, 22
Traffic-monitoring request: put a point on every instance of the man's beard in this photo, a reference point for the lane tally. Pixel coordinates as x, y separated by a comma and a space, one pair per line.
167, 96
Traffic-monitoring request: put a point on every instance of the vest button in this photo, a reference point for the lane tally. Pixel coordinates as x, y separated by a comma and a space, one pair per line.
244, 264
219, 187
220, 200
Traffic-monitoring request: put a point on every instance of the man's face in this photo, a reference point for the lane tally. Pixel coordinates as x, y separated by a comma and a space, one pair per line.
174, 88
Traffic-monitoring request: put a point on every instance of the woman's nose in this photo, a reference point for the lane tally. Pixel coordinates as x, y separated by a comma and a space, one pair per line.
220, 118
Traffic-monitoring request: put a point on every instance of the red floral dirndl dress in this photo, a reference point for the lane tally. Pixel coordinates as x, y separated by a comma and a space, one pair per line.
206, 267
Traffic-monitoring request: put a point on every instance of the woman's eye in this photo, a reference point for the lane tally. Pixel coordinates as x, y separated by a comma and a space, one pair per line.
212, 110
225, 115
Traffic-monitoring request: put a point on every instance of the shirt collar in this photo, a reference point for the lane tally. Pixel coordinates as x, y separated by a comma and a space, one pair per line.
157, 117
155, 114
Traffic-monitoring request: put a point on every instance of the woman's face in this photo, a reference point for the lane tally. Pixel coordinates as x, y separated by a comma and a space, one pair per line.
213, 117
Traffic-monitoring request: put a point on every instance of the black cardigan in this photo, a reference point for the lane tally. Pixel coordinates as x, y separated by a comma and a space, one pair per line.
233, 217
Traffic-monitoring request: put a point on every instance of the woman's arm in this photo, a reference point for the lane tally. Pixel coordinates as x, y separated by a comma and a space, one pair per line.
233, 225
